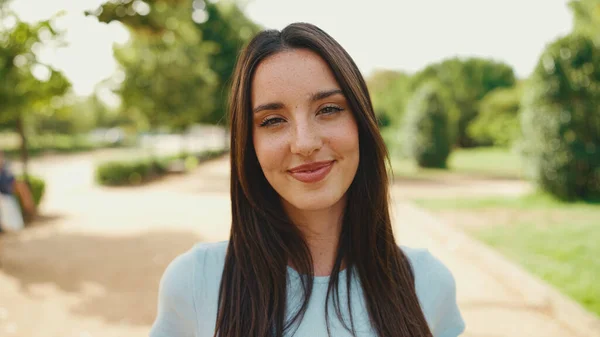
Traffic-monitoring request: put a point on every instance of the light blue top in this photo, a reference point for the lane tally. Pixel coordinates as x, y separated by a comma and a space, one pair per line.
189, 289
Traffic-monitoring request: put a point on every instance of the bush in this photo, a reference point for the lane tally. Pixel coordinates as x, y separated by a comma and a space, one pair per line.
561, 119
392, 136
427, 127
129, 173
389, 91
209, 154
466, 81
38, 187
383, 119
498, 120
116, 173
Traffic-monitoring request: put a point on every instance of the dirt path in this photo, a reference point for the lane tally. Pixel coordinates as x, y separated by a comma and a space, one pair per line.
93, 267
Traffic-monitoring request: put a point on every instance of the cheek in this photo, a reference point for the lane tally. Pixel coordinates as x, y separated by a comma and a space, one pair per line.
344, 138
270, 151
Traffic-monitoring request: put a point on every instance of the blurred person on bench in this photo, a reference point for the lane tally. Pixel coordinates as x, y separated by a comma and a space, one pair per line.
11, 215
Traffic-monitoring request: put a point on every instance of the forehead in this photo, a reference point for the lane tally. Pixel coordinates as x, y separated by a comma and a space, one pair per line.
291, 74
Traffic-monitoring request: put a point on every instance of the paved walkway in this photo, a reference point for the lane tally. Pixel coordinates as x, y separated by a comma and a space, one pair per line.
93, 267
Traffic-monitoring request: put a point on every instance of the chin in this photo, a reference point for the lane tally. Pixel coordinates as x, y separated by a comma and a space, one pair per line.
314, 201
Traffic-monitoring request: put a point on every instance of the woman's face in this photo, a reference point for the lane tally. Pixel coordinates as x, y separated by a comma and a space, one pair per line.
304, 133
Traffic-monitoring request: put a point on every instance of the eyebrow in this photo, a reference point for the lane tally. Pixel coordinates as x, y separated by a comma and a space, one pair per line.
313, 98
324, 94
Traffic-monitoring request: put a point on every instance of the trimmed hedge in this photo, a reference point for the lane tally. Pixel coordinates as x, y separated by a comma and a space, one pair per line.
427, 127
116, 173
561, 119
122, 173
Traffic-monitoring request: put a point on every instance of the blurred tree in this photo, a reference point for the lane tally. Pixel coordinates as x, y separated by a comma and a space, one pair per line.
587, 18
93, 113
426, 126
168, 82
498, 120
561, 119
389, 92
28, 86
228, 29
77, 116
56, 121
179, 59
167, 76
103, 115
466, 82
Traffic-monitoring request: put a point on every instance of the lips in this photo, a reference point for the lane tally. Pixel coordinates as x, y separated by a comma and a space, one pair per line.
312, 172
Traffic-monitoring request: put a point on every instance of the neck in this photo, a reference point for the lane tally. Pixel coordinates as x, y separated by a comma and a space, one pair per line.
321, 230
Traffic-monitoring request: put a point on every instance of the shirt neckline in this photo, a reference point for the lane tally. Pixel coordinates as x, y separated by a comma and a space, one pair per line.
317, 279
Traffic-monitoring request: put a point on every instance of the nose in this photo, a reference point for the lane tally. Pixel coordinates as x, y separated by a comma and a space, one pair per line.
306, 139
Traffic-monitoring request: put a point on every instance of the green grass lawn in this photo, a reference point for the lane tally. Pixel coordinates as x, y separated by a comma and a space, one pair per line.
558, 242
482, 162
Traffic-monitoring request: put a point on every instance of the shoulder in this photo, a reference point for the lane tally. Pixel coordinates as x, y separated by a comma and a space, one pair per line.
209, 253
428, 269
436, 289
201, 258
191, 271
186, 282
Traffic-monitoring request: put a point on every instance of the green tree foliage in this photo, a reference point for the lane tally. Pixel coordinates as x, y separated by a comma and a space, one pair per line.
179, 59
426, 127
167, 82
466, 82
587, 18
227, 29
79, 115
28, 86
389, 92
91, 112
561, 119
498, 120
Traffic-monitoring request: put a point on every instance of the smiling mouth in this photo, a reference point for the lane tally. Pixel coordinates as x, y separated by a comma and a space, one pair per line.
312, 173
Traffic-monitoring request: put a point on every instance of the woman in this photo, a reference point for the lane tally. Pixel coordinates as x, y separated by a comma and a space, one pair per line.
311, 251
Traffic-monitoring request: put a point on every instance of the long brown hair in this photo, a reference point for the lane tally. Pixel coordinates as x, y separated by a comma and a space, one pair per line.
252, 296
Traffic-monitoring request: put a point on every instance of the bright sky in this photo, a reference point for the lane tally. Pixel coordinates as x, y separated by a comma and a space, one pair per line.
391, 34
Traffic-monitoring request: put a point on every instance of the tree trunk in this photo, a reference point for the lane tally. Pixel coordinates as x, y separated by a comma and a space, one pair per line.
24, 148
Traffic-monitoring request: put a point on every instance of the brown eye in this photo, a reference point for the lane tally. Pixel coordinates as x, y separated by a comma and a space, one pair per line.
331, 109
272, 121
